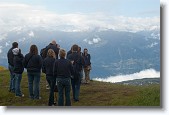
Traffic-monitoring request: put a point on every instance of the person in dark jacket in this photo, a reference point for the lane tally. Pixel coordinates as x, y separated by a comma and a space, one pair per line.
76, 60
68, 53
87, 65
18, 70
47, 68
33, 63
54, 47
63, 71
81, 69
10, 57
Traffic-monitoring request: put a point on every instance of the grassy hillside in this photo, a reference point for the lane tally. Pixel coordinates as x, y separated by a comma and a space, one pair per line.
94, 94
2, 68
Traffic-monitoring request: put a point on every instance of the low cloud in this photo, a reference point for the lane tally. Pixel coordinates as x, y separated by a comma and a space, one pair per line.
149, 73
93, 41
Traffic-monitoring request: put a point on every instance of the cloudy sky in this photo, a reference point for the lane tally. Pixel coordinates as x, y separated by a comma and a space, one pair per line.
79, 15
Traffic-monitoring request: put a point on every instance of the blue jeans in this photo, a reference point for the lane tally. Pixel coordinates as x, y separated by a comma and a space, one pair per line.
33, 84
18, 78
12, 79
76, 88
63, 84
51, 81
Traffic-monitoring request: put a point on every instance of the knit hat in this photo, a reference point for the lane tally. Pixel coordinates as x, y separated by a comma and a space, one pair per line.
15, 51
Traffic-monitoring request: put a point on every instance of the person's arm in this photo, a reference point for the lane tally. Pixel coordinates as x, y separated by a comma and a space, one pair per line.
24, 62
40, 62
89, 59
44, 67
71, 68
55, 68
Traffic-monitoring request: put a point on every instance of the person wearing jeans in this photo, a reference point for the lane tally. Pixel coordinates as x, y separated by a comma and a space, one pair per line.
63, 85
18, 70
18, 78
33, 85
33, 63
77, 62
12, 79
47, 68
76, 89
10, 57
63, 71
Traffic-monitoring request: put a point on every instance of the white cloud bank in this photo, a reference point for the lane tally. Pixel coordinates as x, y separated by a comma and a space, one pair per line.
17, 17
149, 73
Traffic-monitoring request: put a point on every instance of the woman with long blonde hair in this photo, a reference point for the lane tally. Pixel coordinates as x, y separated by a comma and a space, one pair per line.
47, 68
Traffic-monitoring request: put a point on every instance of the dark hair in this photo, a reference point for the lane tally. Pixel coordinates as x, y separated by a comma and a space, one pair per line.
33, 50
79, 49
84, 51
75, 47
14, 45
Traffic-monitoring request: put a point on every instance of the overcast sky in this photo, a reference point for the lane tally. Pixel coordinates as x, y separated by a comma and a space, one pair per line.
79, 15
132, 8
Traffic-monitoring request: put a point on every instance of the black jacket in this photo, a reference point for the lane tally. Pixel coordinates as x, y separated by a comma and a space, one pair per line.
87, 60
33, 64
62, 68
55, 49
18, 65
78, 58
10, 57
47, 67
68, 53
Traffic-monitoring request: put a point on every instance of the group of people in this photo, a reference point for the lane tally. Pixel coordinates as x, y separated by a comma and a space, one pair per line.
63, 71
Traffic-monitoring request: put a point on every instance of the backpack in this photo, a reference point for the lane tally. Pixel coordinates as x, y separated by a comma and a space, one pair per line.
43, 53
76, 68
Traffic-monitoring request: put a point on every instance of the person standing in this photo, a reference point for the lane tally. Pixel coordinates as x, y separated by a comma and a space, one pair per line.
76, 60
55, 47
68, 53
18, 70
63, 71
87, 65
33, 63
47, 68
10, 57
81, 67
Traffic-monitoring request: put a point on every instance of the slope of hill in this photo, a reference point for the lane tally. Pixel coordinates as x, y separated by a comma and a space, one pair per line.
93, 94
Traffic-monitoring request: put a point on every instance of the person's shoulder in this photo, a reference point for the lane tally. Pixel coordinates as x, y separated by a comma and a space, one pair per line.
10, 50
27, 54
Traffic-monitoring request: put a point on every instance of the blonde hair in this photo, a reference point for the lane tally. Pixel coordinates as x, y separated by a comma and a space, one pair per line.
51, 53
62, 53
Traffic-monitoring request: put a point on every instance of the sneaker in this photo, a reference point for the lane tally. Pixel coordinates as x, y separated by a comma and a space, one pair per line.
76, 100
38, 98
12, 91
47, 87
20, 95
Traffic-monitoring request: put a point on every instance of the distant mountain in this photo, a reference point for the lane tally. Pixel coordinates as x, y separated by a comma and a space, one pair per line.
112, 52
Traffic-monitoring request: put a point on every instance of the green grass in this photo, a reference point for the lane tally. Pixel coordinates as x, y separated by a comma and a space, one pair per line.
93, 94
